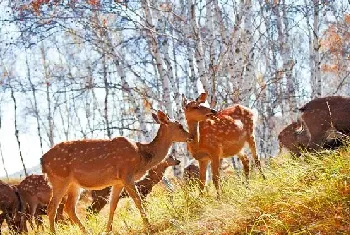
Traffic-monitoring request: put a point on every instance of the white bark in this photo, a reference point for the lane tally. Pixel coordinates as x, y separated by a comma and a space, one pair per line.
152, 40
317, 92
199, 52
285, 52
248, 82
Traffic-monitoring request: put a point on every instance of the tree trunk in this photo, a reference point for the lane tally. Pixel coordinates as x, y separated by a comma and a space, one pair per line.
48, 99
16, 129
2, 156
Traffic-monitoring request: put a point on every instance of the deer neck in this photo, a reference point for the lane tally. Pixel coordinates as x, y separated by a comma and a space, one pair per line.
193, 128
155, 151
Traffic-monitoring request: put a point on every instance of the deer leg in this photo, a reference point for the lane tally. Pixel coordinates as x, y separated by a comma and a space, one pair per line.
2, 218
133, 193
245, 162
39, 222
252, 147
70, 206
116, 189
59, 189
203, 164
60, 209
32, 210
215, 169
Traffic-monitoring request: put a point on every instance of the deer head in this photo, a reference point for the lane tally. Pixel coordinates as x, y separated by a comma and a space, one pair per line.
178, 133
194, 110
171, 161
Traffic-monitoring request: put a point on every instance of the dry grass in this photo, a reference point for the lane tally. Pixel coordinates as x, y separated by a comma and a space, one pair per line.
309, 196
11, 181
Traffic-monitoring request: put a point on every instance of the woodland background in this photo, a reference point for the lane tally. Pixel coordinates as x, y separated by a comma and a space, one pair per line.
78, 69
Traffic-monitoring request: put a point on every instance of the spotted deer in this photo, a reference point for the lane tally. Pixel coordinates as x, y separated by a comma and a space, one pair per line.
35, 193
10, 205
219, 135
97, 164
144, 185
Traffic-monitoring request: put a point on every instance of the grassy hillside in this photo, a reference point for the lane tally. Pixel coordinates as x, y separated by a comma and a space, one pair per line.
309, 196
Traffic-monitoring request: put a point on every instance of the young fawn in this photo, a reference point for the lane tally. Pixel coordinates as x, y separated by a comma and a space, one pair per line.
10, 205
35, 195
144, 185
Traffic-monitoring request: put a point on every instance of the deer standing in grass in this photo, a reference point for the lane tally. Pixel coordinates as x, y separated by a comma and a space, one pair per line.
35, 194
97, 164
10, 205
220, 135
144, 185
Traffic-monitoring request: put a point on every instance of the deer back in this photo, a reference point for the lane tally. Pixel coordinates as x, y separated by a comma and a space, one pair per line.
227, 131
35, 188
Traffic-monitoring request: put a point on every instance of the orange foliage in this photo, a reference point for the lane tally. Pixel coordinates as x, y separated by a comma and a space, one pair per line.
36, 4
334, 43
147, 105
347, 19
332, 68
93, 2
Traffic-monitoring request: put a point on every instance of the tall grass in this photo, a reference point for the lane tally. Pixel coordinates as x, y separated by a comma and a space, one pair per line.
299, 196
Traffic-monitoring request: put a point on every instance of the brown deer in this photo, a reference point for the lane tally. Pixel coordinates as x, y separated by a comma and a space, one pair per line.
35, 194
144, 185
97, 164
323, 123
10, 205
220, 135
191, 172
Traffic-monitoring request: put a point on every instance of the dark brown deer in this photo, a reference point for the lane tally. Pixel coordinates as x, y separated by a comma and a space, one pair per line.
97, 164
219, 135
323, 122
191, 172
10, 205
35, 194
144, 185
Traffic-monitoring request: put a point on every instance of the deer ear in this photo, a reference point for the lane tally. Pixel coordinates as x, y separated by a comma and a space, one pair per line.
162, 117
202, 98
184, 101
155, 117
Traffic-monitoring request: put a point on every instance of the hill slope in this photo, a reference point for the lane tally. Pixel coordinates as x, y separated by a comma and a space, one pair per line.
309, 196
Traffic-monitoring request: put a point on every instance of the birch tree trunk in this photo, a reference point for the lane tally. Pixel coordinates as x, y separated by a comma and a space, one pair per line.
48, 98
285, 52
317, 90
237, 59
106, 103
155, 51
198, 45
2, 156
35, 104
16, 130
191, 43
247, 44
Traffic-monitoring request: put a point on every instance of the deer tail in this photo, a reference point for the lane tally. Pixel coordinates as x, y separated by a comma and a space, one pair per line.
43, 168
255, 115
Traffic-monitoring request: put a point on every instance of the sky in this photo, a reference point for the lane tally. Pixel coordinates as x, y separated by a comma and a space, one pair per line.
10, 151
30, 146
